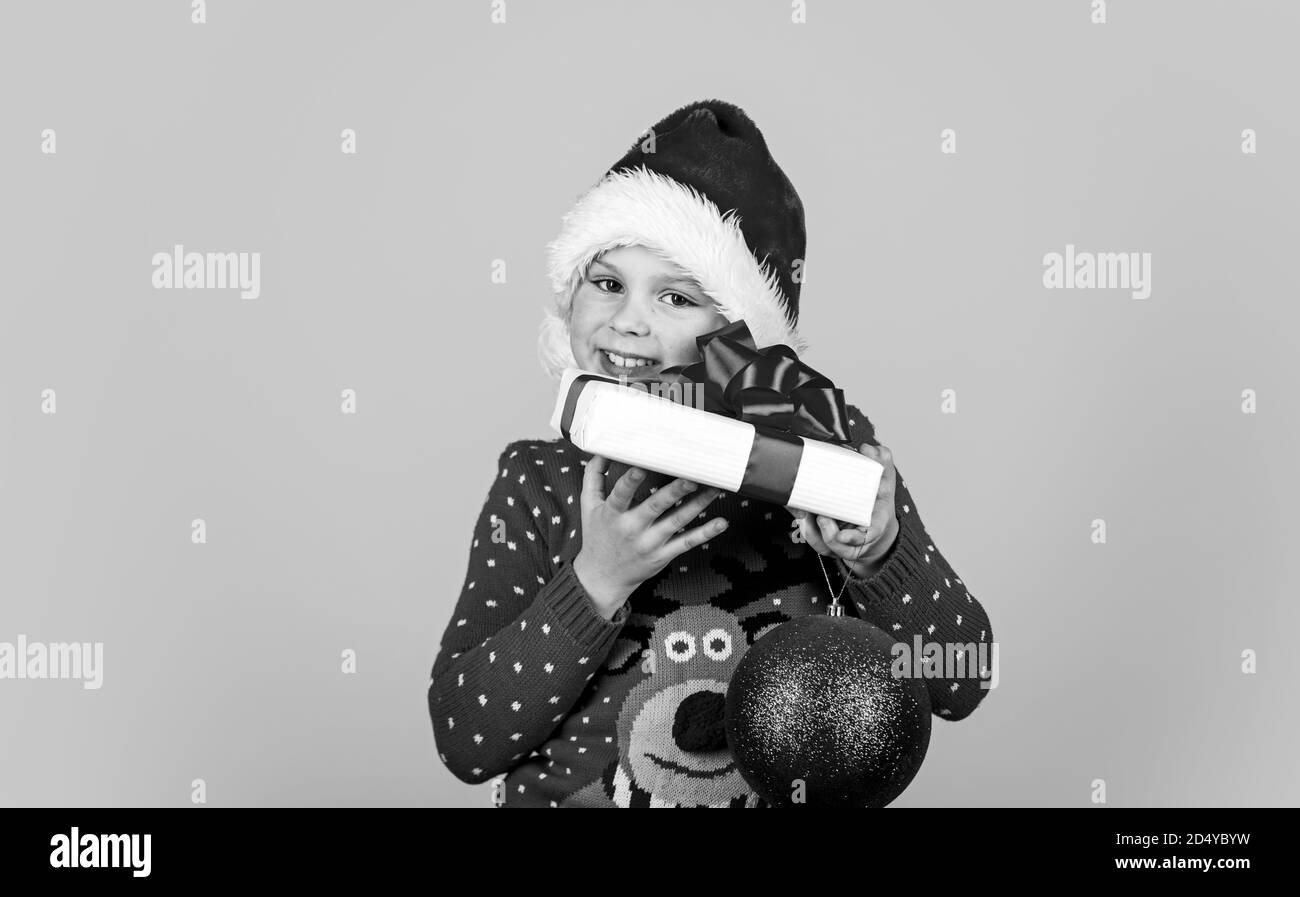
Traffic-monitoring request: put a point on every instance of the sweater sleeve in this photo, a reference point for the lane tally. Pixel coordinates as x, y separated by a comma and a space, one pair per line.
915, 592
525, 637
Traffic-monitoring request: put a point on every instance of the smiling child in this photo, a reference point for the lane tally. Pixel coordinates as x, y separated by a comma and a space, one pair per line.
588, 656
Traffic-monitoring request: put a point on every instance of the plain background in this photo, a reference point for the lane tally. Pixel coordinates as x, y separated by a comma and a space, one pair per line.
1119, 661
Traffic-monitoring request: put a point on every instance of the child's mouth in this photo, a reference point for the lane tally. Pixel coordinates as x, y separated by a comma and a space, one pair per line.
626, 366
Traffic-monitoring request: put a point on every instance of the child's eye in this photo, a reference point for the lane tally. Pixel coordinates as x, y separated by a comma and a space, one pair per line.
599, 280
689, 301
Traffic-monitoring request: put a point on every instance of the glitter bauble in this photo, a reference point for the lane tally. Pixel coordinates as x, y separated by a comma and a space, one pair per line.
814, 715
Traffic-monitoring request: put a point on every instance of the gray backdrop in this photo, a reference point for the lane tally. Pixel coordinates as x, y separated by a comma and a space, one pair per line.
327, 532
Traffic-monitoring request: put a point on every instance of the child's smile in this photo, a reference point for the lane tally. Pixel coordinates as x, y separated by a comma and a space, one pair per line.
630, 365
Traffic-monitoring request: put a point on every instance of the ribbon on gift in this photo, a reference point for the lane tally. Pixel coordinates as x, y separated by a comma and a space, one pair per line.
784, 399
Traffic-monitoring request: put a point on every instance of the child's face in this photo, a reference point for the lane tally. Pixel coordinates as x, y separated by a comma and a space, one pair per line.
634, 303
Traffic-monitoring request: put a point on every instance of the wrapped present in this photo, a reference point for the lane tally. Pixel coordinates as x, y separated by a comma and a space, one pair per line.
754, 421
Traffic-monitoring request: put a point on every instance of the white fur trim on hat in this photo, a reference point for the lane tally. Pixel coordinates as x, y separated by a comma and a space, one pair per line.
642, 207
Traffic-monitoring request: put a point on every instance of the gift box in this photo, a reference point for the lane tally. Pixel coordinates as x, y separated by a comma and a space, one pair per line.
743, 419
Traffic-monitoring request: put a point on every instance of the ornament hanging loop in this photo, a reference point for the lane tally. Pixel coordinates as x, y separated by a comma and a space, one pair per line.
835, 609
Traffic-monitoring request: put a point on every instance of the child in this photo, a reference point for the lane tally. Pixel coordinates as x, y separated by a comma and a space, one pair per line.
588, 657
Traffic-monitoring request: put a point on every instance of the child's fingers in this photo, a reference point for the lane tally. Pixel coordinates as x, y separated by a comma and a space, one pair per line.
852, 536
678, 518
810, 533
885, 458
620, 497
850, 541
593, 481
654, 506
830, 529
692, 537
880, 452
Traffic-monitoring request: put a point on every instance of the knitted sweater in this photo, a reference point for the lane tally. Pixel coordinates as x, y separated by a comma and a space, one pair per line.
533, 684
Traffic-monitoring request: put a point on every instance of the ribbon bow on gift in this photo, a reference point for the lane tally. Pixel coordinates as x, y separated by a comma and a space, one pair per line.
768, 387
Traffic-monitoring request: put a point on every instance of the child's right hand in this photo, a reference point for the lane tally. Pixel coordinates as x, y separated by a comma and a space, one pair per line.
623, 546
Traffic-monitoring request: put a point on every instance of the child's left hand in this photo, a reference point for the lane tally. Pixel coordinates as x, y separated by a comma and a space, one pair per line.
861, 548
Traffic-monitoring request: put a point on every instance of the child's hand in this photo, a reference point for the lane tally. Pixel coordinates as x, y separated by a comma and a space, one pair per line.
623, 546
860, 548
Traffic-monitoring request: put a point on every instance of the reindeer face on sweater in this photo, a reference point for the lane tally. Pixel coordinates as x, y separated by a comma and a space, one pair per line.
672, 722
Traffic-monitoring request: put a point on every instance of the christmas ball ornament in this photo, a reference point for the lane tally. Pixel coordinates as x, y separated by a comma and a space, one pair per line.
814, 715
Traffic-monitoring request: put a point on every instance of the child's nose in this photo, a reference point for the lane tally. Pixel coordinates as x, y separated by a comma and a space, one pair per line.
630, 317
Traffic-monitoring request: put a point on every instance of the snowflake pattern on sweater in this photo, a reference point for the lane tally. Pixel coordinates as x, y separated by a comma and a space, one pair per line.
533, 684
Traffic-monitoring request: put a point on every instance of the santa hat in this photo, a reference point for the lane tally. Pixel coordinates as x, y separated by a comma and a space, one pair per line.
701, 190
